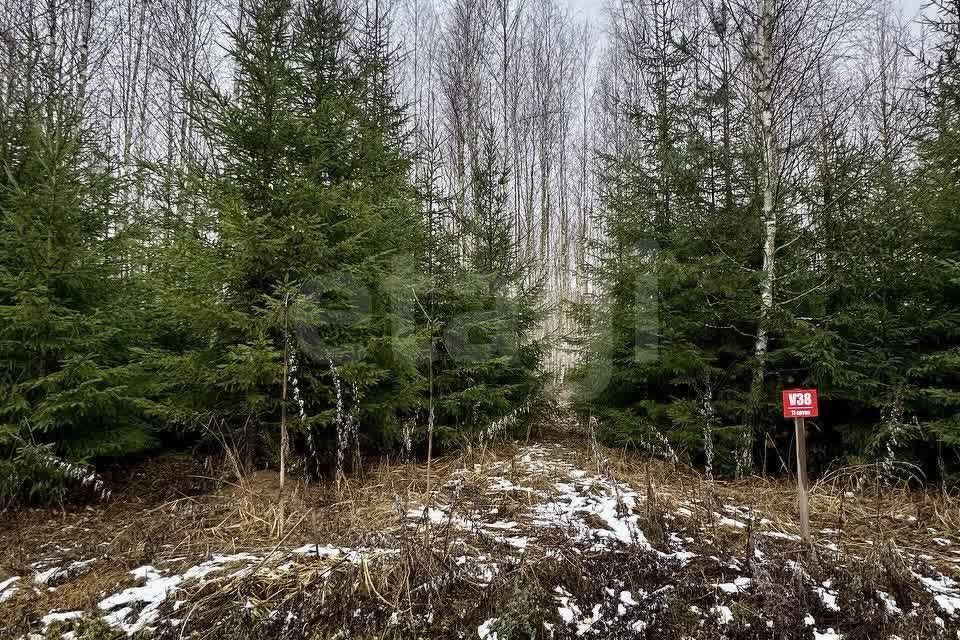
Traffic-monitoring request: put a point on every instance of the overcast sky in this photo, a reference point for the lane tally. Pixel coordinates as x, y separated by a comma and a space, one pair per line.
591, 8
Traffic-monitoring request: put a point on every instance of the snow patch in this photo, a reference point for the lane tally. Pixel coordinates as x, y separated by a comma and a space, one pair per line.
890, 603
828, 596
739, 585
8, 588
50, 618
723, 614
945, 592
779, 535
730, 522
485, 630
153, 593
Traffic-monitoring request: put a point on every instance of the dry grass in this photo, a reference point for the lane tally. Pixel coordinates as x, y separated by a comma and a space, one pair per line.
370, 509
79, 593
251, 515
848, 508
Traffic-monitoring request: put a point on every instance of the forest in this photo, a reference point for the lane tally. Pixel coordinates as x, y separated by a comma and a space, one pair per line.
321, 230
298, 242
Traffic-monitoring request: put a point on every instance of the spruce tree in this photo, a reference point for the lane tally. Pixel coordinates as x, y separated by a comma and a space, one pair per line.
934, 375
221, 359
667, 342
70, 390
303, 255
488, 369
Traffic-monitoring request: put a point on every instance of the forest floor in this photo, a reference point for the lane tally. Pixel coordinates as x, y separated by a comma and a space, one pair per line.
555, 539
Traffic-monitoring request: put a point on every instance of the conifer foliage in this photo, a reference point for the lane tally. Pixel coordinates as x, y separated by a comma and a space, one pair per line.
310, 231
934, 374
291, 302
312, 223
70, 386
486, 309
859, 223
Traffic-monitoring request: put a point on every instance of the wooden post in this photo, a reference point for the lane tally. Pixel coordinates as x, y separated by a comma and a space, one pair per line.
802, 480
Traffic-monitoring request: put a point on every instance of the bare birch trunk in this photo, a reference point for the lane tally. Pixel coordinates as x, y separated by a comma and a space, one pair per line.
84, 65
764, 96
709, 413
284, 435
52, 63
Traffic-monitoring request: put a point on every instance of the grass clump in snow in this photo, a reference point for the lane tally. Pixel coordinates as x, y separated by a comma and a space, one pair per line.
86, 629
522, 616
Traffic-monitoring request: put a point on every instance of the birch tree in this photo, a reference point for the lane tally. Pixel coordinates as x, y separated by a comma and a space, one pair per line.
786, 43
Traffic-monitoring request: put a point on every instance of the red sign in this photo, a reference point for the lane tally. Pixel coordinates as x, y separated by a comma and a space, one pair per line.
800, 403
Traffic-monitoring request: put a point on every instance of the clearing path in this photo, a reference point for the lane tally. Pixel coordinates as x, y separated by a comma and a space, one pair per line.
549, 540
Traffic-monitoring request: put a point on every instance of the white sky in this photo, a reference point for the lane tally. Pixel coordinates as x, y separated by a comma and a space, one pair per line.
592, 8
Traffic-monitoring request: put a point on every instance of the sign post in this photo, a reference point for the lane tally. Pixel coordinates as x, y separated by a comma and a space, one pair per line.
800, 404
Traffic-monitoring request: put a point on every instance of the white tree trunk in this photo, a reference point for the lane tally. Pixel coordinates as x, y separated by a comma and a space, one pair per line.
284, 432
770, 175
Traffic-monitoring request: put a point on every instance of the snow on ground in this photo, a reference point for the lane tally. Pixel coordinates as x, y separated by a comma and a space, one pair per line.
588, 509
541, 503
828, 596
946, 593
8, 587
156, 589
50, 618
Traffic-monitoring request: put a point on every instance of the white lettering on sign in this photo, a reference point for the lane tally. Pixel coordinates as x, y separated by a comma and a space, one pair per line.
799, 403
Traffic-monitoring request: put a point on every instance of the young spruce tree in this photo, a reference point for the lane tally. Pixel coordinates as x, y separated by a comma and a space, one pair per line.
69, 389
